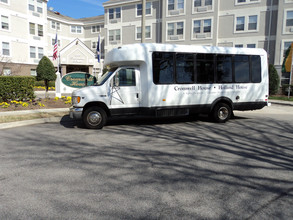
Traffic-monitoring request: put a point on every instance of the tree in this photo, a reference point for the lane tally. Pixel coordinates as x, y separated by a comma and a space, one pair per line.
46, 71
274, 80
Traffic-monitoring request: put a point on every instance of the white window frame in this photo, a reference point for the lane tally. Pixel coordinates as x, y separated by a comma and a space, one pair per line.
33, 52
96, 28
202, 35
33, 72
139, 32
203, 8
289, 29
8, 22
115, 18
246, 23
37, 6
53, 42
56, 25
7, 71
175, 29
2, 49
176, 11
247, 2
115, 36
147, 14
74, 29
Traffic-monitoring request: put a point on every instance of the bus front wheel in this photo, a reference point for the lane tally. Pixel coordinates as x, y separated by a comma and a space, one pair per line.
221, 112
95, 117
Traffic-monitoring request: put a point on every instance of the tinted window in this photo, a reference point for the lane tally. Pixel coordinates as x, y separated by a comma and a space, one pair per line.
205, 68
184, 68
163, 68
256, 69
126, 77
224, 68
241, 68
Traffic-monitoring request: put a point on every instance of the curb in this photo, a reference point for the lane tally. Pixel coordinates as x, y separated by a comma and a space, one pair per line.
33, 121
29, 122
279, 102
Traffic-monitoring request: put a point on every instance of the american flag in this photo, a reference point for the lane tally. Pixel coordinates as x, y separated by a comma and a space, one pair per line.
98, 49
55, 51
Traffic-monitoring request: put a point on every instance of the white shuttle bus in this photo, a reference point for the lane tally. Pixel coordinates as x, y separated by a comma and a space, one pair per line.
164, 80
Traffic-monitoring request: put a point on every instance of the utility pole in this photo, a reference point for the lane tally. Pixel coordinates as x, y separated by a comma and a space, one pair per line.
143, 21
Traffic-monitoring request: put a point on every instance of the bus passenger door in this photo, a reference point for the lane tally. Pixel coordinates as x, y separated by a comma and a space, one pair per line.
125, 89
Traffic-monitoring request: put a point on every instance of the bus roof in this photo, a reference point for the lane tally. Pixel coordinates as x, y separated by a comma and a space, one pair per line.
133, 54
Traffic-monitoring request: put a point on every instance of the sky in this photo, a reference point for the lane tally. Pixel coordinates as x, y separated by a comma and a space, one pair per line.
78, 8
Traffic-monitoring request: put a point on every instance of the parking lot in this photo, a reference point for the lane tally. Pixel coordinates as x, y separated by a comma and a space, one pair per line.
151, 169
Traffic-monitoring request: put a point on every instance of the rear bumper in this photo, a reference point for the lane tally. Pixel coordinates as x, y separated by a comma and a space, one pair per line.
75, 113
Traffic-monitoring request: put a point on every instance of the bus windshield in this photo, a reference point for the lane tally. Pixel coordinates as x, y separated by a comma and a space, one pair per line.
106, 76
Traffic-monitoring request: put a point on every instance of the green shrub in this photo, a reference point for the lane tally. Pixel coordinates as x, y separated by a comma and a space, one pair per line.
274, 80
46, 71
16, 88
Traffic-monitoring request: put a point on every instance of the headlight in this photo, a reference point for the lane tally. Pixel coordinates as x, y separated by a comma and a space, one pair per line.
75, 100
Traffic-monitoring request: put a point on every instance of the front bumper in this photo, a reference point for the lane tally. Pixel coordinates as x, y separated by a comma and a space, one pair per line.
75, 112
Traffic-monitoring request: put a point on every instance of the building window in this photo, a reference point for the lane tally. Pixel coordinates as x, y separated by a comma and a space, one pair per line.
55, 25
175, 31
53, 42
252, 22
76, 29
147, 32
96, 29
32, 52
40, 30
114, 13
7, 71
241, 2
4, 23
240, 24
35, 6
33, 72
33, 29
114, 35
175, 7
5, 49
40, 52
202, 6
202, 29
148, 9
246, 23
289, 19
251, 46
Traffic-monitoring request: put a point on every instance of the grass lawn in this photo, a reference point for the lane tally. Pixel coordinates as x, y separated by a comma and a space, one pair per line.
284, 98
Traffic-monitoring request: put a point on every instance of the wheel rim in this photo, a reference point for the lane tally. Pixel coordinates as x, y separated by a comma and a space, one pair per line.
94, 118
223, 113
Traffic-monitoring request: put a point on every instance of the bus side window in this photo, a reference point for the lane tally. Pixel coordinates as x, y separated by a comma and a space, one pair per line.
205, 68
256, 69
163, 68
241, 63
184, 68
224, 68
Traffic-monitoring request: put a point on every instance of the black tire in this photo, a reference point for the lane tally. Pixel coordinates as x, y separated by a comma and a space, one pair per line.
94, 117
221, 112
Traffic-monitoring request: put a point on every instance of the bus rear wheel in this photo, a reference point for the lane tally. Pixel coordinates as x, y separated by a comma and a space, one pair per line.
95, 117
221, 112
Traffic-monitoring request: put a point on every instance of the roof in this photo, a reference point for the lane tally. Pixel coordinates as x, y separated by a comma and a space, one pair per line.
59, 16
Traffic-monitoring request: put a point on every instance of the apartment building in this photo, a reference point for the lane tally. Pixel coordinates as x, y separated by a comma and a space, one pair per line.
28, 29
